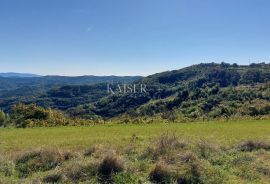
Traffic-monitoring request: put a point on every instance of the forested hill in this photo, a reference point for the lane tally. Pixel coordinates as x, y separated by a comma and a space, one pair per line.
199, 91
52, 91
205, 91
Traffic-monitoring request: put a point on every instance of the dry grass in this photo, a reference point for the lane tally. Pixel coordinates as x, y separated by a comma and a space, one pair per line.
79, 172
165, 147
170, 157
53, 178
161, 174
39, 160
252, 145
110, 165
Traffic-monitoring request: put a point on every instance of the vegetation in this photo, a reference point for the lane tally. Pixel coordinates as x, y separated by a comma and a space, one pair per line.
214, 152
199, 92
27, 116
3, 118
55, 91
207, 91
228, 143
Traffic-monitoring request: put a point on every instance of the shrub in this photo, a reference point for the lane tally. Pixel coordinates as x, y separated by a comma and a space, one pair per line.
32, 115
251, 145
98, 151
192, 174
41, 160
81, 172
109, 166
2, 118
194, 170
167, 141
165, 145
161, 174
205, 149
93, 149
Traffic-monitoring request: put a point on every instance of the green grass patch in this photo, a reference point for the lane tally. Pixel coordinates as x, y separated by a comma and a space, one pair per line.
78, 138
212, 152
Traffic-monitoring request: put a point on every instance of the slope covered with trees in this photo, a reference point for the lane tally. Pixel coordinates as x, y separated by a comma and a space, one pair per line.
204, 91
55, 91
200, 91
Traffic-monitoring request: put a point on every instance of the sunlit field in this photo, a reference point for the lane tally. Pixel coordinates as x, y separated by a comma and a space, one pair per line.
79, 138
202, 152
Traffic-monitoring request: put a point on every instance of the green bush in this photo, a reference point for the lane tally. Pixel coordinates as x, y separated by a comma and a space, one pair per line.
32, 116
2, 118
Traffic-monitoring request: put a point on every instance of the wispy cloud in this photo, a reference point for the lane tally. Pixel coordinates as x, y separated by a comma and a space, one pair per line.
89, 29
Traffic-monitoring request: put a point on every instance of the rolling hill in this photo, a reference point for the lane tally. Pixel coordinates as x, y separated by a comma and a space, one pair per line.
203, 91
199, 91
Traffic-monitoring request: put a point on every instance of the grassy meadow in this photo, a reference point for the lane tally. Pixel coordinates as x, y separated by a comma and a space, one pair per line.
202, 152
79, 138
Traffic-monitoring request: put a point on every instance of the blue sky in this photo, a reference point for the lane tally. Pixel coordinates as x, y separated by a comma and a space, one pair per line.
130, 37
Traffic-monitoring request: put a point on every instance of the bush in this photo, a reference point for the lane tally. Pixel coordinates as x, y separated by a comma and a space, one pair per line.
109, 166
31, 116
161, 174
251, 145
93, 149
41, 160
165, 145
81, 172
192, 174
206, 149
2, 118
195, 170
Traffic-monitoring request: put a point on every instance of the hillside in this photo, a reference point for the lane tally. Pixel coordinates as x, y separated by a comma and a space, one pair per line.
199, 91
204, 91
42, 90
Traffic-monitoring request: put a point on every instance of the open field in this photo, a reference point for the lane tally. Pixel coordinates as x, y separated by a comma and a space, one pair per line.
212, 152
79, 138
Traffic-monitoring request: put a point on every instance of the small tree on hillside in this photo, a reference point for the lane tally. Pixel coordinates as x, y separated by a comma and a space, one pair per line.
2, 118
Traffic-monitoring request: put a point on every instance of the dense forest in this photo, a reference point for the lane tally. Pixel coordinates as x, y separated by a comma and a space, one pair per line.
203, 91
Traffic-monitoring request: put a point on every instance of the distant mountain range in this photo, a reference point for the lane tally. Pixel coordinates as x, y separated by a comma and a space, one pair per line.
22, 75
12, 81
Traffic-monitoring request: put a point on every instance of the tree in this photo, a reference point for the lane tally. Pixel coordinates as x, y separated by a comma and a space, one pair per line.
2, 118
235, 65
32, 115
